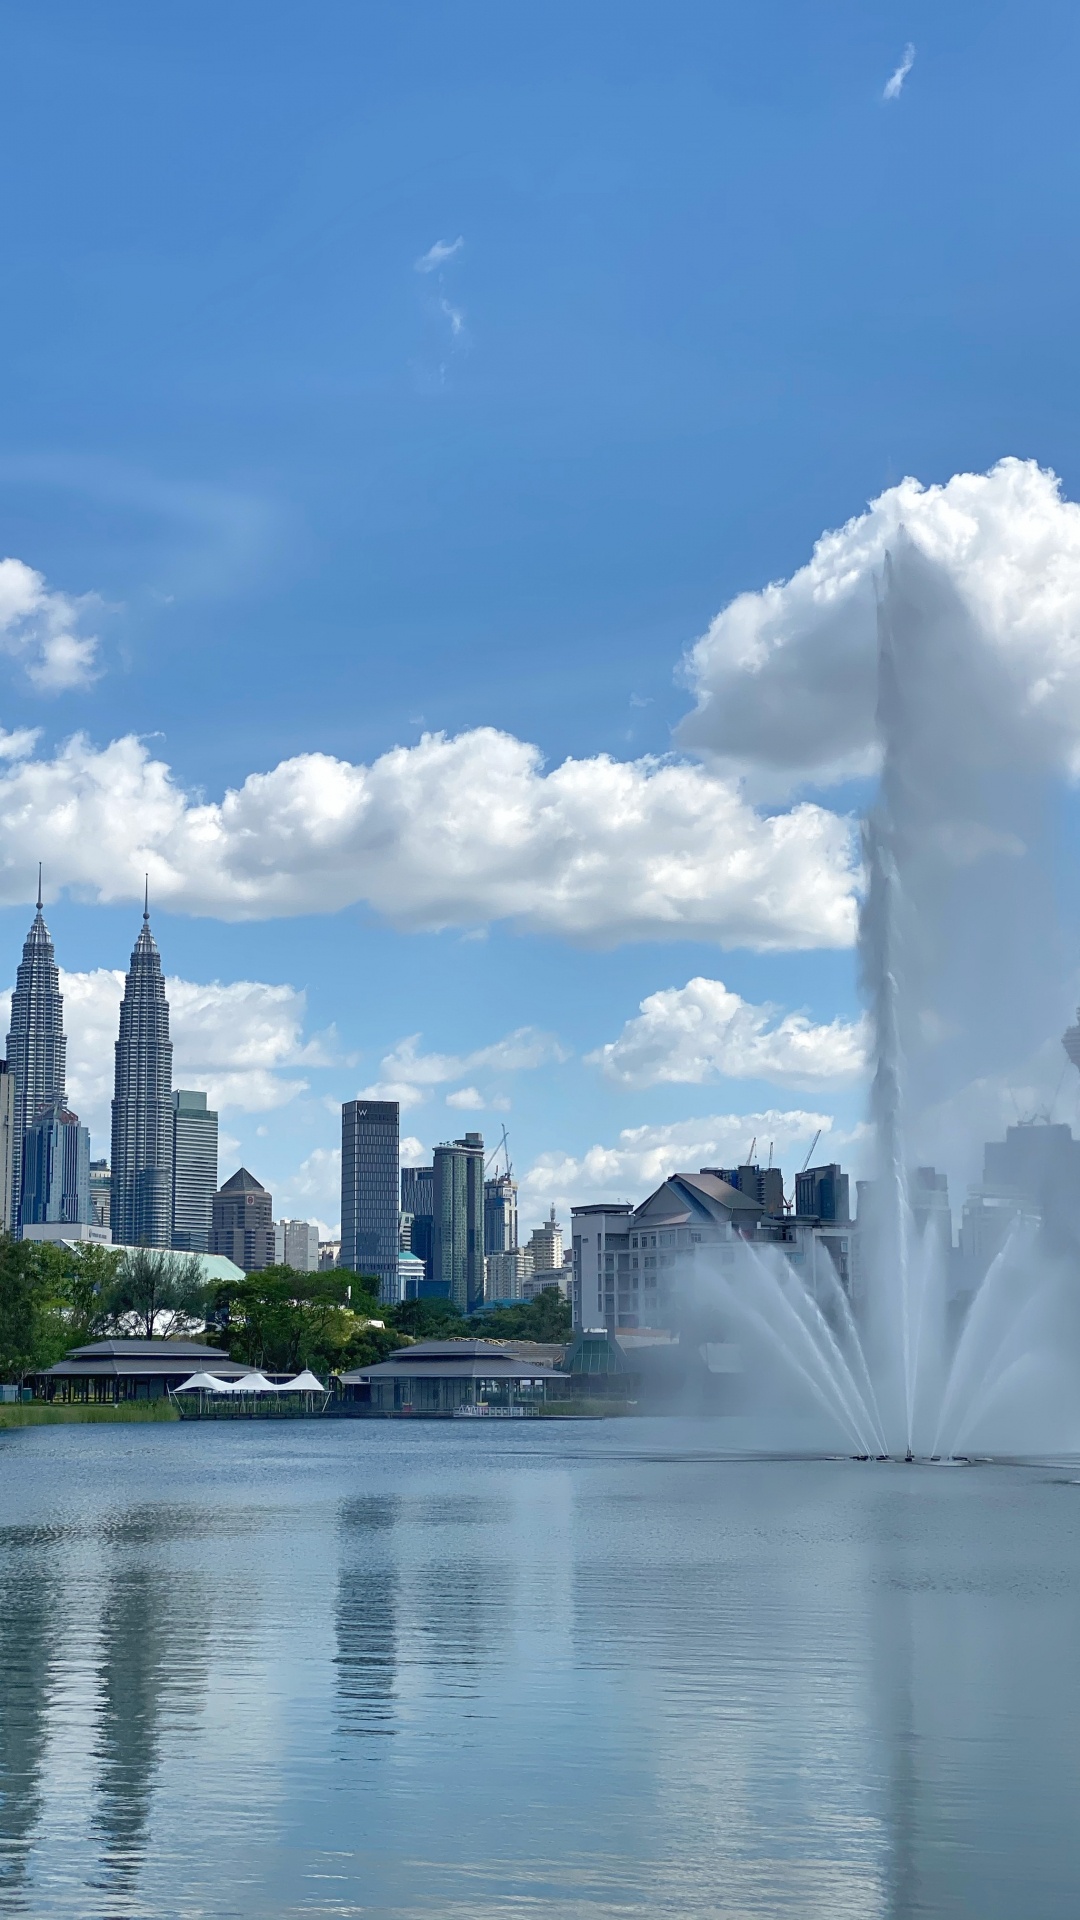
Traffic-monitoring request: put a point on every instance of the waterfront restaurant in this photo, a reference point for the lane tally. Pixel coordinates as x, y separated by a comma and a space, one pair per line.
109, 1371
435, 1378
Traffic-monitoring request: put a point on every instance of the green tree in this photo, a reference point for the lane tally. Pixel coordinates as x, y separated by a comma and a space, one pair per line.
157, 1293
427, 1319
282, 1320
548, 1317
33, 1333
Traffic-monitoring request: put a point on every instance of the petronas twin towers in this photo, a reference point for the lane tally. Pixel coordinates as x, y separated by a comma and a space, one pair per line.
142, 1108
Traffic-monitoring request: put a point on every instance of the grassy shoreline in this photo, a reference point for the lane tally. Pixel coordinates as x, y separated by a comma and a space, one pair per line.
35, 1414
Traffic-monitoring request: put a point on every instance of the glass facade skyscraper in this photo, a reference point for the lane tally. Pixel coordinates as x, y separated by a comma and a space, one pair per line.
500, 1214
370, 1188
195, 1170
142, 1108
418, 1201
36, 1049
458, 1232
56, 1168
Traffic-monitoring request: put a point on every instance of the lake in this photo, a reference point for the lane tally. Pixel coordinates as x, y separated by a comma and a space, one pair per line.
522, 1669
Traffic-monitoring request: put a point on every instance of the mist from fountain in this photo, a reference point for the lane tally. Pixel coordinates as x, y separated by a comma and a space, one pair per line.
888, 1371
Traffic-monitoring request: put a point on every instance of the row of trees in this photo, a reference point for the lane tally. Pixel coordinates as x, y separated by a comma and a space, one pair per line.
53, 1298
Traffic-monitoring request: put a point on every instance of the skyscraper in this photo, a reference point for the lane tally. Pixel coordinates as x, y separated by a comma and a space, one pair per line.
7, 1143
142, 1109
56, 1168
370, 1157
500, 1214
195, 1170
242, 1224
36, 1047
418, 1201
458, 1235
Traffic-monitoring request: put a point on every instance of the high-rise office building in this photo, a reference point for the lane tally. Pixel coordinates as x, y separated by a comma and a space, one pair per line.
7, 1146
35, 1045
296, 1245
821, 1193
142, 1108
195, 1170
56, 1168
458, 1234
763, 1184
100, 1192
370, 1191
500, 1214
545, 1248
418, 1201
242, 1222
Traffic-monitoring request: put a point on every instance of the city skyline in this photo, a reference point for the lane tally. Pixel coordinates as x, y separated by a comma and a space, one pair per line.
516, 667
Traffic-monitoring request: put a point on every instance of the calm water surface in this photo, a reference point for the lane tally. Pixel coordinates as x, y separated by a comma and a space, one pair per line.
338, 1669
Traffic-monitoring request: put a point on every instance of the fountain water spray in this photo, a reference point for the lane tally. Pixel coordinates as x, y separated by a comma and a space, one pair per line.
885, 1367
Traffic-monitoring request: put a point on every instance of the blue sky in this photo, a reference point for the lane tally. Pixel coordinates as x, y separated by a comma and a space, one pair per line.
713, 294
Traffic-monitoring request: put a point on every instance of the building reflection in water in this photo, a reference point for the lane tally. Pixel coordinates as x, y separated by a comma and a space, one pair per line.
28, 1643
152, 1672
366, 1616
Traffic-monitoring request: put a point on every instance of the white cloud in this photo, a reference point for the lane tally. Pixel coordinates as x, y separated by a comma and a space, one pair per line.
438, 255
412, 1152
455, 316
894, 85
453, 832
236, 1040
468, 1099
786, 678
644, 1156
408, 1076
704, 1032
40, 628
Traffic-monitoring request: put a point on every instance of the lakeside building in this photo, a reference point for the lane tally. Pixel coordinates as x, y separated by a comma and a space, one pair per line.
110, 1372
194, 1170
370, 1191
296, 1245
458, 1234
56, 1168
600, 1243
36, 1047
7, 1147
434, 1378
142, 1108
242, 1222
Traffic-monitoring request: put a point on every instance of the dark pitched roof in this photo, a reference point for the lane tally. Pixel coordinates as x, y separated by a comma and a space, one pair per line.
242, 1182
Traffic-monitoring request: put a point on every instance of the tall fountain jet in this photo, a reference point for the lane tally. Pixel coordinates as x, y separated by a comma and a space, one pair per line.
951, 941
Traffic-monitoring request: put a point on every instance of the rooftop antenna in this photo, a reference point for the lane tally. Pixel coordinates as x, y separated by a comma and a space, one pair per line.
146, 899
39, 886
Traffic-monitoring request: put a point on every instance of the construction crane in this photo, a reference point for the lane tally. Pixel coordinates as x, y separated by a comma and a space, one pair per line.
789, 1202
502, 1148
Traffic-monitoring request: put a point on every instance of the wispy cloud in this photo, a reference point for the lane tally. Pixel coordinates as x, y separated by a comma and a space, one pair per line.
438, 255
894, 85
455, 317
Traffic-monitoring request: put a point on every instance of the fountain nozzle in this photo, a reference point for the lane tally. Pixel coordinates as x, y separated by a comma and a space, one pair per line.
909, 1458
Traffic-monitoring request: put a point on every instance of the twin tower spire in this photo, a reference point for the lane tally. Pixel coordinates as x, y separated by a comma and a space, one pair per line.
142, 1108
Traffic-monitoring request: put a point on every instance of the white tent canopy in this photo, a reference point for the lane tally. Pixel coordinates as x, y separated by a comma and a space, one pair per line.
255, 1383
304, 1383
205, 1383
